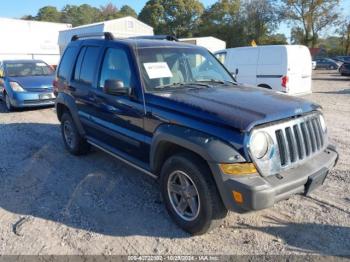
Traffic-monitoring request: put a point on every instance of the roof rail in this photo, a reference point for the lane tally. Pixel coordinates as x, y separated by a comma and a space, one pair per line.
157, 37
106, 35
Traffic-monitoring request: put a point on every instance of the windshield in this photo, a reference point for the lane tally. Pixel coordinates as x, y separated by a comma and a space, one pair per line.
175, 67
28, 69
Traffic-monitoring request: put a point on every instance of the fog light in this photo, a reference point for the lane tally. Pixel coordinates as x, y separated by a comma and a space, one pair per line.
238, 169
238, 197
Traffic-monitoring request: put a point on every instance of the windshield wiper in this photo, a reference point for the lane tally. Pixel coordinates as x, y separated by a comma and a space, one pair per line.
223, 82
183, 84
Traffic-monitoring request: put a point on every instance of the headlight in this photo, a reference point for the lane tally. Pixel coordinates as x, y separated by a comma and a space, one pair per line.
16, 87
259, 144
323, 124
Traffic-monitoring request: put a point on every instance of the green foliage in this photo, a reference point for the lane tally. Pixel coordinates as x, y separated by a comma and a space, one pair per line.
311, 15
81, 14
179, 17
109, 12
126, 10
273, 39
153, 14
239, 22
48, 14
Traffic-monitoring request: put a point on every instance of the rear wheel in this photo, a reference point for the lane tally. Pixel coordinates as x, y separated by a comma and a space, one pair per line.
9, 107
73, 141
265, 86
190, 194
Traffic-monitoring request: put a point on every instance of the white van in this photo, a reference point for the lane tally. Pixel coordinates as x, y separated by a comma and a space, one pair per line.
285, 68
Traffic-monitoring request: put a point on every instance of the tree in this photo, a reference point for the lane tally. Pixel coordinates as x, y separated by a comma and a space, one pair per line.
223, 20
260, 19
48, 14
297, 36
80, 15
126, 10
344, 31
312, 15
273, 39
153, 14
179, 17
182, 16
28, 17
109, 11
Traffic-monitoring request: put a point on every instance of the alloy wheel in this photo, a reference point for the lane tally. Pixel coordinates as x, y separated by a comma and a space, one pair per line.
7, 102
183, 195
69, 135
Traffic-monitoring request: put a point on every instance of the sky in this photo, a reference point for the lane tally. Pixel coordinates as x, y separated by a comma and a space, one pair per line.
19, 8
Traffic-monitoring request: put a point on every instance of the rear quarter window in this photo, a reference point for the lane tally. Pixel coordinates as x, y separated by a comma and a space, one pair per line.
66, 63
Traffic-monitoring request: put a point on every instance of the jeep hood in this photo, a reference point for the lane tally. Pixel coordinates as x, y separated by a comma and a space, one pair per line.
240, 107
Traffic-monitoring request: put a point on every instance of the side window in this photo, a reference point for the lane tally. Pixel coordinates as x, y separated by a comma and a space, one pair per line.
78, 64
66, 62
116, 66
86, 65
2, 73
221, 57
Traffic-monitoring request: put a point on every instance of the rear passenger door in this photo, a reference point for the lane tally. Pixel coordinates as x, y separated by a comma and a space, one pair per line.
83, 82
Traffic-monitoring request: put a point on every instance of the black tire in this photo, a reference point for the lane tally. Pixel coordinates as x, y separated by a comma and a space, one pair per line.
73, 141
264, 86
8, 105
210, 206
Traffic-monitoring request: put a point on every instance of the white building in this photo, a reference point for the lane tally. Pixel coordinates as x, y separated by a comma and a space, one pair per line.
213, 44
122, 28
22, 39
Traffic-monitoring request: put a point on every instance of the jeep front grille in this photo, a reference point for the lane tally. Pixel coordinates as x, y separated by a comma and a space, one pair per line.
295, 141
299, 141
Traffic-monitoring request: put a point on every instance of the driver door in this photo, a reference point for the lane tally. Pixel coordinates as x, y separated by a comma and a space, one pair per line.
119, 118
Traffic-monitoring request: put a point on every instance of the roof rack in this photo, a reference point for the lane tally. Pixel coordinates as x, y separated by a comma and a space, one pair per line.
106, 35
157, 37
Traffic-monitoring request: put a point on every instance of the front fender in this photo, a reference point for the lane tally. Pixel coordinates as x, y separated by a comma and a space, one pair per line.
210, 148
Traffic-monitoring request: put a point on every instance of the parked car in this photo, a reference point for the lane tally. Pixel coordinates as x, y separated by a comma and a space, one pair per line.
342, 59
26, 83
172, 111
326, 63
284, 68
344, 69
314, 65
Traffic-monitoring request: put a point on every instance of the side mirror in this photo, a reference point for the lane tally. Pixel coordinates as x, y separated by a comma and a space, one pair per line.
116, 88
236, 71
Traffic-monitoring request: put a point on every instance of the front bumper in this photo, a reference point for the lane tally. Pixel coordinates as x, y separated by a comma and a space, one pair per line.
32, 99
262, 192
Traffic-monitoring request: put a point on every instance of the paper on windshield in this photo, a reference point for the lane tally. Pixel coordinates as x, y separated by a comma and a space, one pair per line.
157, 70
40, 64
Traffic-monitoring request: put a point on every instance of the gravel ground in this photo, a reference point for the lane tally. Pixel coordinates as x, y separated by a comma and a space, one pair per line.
55, 203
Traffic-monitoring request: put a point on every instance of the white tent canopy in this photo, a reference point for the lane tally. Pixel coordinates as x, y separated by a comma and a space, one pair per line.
122, 27
211, 43
22, 39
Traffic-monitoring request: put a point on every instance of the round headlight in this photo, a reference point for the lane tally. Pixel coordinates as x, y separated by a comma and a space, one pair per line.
323, 124
259, 144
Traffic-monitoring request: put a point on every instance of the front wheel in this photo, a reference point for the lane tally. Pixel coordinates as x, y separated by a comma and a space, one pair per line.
73, 141
9, 107
190, 194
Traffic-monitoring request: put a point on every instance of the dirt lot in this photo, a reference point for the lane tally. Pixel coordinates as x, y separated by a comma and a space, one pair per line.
55, 203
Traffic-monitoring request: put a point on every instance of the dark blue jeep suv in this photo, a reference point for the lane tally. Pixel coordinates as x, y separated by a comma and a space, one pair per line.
174, 112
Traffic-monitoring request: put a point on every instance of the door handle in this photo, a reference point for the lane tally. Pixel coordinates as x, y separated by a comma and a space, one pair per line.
72, 88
